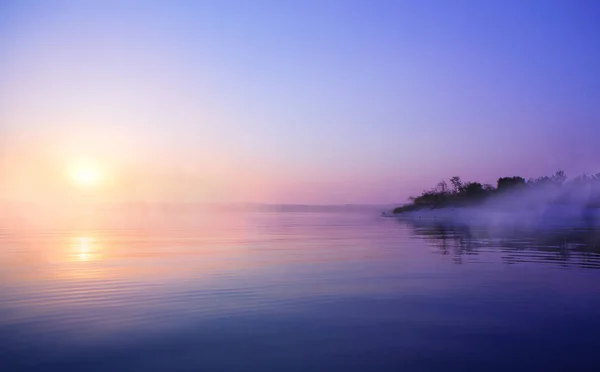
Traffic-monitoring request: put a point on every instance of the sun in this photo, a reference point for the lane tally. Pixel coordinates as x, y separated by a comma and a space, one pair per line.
86, 175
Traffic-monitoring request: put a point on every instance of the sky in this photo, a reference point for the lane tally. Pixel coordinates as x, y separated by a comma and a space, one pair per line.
307, 102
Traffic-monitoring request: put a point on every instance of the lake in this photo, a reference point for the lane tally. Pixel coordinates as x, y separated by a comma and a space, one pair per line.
299, 292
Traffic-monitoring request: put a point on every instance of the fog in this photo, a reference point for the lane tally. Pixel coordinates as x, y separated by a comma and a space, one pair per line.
537, 204
141, 215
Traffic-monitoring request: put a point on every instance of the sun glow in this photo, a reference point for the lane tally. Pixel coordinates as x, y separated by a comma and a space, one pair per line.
85, 249
86, 175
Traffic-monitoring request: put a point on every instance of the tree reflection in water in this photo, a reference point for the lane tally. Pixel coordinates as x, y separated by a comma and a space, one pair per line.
567, 246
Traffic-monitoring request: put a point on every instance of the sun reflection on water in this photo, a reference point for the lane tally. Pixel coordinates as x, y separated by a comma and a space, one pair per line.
84, 249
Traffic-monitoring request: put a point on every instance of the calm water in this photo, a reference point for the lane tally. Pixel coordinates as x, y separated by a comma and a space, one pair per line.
299, 292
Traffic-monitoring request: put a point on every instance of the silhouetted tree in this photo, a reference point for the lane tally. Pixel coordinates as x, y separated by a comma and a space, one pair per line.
457, 184
540, 181
559, 178
507, 183
556, 180
473, 189
442, 187
461, 193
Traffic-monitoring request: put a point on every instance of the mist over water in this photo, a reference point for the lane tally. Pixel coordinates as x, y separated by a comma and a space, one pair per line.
536, 205
142, 215
296, 291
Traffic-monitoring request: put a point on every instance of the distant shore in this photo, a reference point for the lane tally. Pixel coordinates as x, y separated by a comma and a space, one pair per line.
555, 215
514, 201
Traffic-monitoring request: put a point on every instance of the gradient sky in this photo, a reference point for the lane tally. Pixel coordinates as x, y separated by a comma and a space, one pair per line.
294, 101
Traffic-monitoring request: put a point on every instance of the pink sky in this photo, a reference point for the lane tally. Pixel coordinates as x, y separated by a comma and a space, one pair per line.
323, 103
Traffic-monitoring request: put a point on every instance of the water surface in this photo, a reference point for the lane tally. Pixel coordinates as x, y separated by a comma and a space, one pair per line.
296, 292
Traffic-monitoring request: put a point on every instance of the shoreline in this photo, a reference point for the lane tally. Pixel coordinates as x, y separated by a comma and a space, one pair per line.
494, 216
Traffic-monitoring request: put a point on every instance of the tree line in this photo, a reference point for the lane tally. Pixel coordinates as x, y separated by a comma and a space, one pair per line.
455, 192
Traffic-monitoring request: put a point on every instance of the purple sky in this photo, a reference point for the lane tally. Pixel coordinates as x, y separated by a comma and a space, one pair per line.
295, 102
